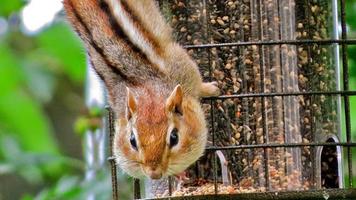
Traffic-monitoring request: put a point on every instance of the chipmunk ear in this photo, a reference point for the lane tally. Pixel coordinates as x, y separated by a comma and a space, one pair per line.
131, 104
174, 101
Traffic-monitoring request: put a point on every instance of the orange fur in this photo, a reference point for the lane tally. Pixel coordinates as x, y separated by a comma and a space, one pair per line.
154, 104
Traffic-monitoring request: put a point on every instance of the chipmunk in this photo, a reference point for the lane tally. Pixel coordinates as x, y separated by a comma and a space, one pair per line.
154, 86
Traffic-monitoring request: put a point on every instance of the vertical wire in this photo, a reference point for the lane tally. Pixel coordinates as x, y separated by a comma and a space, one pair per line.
111, 159
137, 188
346, 88
170, 185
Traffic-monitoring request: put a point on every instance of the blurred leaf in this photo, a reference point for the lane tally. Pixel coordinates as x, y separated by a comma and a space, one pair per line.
22, 116
72, 187
91, 120
81, 125
72, 194
352, 63
34, 167
42, 195
351, 14
9, 6
68, 187
19, 114
96, 112
60, 42
66, 184
27, 197
10, 73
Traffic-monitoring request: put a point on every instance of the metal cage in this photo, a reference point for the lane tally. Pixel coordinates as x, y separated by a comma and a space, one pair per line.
257, 39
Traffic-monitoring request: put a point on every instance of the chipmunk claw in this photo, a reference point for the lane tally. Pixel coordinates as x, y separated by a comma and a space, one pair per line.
181, 179
182, 176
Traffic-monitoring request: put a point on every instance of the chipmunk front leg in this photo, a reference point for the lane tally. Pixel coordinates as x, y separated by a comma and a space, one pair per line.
209, 89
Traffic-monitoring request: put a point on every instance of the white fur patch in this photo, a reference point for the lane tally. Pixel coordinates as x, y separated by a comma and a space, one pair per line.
130, 167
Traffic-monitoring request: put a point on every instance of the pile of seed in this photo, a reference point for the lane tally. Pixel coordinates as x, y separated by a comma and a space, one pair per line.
316, 69
261, 69
209, 188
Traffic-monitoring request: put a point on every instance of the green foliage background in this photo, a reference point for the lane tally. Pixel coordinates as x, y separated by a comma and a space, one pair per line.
41, 87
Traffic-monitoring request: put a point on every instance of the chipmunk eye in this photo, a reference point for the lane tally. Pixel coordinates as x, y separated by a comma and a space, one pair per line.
173, 139
133, 141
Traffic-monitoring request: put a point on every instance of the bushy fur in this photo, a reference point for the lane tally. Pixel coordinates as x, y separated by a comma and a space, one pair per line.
154, 86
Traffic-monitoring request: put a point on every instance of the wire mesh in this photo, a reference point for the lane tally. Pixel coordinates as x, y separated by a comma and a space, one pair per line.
262, 46
111, 158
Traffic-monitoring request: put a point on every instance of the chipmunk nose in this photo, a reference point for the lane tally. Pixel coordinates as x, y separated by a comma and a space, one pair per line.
154, 172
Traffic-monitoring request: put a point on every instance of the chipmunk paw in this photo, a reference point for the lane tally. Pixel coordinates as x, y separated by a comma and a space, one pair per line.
210, 89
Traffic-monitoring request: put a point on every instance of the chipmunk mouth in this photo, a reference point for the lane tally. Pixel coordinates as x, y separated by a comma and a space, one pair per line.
154, 175
153, 172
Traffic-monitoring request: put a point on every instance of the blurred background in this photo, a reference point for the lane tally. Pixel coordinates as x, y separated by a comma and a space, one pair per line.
42, 77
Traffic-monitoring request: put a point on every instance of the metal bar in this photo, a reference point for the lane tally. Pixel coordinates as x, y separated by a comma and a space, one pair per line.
280, 42
137, 188
285, 145
111, 158
346, 88
170, 185
274, 94
330, 194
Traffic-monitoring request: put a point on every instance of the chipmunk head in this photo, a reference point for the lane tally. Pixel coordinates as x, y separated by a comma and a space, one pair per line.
160, 136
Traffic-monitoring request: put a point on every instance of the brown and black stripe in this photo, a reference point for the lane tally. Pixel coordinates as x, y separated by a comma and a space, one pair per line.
119, 30
99, 30
157, 47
